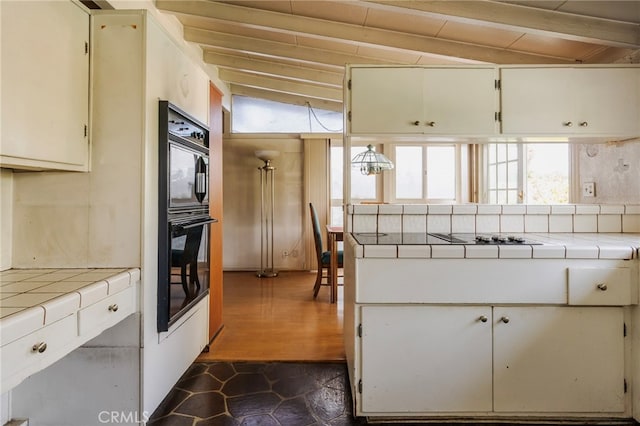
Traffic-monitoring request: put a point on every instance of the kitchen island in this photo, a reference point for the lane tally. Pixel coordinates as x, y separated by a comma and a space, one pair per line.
473, 330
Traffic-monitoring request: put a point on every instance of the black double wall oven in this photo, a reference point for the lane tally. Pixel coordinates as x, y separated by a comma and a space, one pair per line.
183, 213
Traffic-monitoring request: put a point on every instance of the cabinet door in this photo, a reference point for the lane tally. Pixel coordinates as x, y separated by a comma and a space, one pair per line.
418, 359
559, 359
45, 85
609, 99
386, 100
537, 101
459, 101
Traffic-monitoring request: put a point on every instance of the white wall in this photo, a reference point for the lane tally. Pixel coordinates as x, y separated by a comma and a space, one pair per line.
615, 169
242, 201
172, 75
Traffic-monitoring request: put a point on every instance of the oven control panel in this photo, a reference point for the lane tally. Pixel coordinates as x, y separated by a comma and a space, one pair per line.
187, 129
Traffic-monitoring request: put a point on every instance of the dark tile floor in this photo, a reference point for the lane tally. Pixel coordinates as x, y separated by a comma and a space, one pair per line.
275, 394
264, 394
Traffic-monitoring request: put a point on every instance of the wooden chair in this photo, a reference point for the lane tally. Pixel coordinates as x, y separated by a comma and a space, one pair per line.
323, 257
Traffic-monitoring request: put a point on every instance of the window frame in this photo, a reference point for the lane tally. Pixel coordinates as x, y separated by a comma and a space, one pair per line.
460, 156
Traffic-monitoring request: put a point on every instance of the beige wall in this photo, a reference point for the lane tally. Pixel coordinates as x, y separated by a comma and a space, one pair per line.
6, 218
615, 169
242, 202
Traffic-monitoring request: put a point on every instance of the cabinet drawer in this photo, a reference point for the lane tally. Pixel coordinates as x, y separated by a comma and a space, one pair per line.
36, 351
599, 286
106, 313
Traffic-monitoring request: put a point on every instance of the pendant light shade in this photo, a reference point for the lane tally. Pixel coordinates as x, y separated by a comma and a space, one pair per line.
371, 162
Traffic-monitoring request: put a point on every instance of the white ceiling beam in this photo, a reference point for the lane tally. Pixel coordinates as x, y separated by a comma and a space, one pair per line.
275, 49
285, 98
355, 34
280, 85
524, 19
275, 69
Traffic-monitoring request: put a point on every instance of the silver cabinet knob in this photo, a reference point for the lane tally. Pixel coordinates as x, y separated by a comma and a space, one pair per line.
602, 287
431, 123
39, 347
483, 318
584, 124
567, 124
114, 307
416, 123
505, 319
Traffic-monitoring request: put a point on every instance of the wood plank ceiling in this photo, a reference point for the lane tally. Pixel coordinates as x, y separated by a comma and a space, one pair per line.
295, 51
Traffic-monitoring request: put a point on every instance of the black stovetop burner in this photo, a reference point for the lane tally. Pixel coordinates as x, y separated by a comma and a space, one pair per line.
481, 239
421, 238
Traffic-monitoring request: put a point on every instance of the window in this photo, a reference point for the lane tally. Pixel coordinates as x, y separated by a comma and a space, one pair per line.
504, 179
527, 173
363, 188
252, 115
426, 173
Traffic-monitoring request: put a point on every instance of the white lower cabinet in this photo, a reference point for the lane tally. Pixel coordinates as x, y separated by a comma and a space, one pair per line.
506, 360
426, 359
559, 359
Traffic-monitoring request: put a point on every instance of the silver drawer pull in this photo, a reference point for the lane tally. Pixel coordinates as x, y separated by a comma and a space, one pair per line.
505, 319
567, 124
602, 286
114, 307
483, 318
39, 347
584, 124
431, 123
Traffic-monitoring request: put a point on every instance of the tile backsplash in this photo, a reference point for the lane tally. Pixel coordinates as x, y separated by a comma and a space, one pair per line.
485, 218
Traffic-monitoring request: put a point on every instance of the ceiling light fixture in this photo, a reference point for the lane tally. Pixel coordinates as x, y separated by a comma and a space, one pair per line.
371, 162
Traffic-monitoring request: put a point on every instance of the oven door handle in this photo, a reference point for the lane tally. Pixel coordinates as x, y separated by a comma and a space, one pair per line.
197, 223
201, 179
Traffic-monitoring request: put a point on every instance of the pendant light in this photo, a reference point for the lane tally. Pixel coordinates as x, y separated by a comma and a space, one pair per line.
370, 162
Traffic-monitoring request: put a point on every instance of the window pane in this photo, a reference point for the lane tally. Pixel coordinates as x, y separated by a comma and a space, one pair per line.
362, 186
512, 174
492, 176
502, 176
502, 197
512, 197
441, 172
409, 172
502, 152
547, 173
252, 115
337, 218
336, 172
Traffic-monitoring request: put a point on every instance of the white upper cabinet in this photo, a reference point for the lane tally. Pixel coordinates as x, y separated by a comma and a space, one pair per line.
406, 100
571, 101
45, 85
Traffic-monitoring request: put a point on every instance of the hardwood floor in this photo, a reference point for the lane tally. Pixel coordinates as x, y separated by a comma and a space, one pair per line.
277, 319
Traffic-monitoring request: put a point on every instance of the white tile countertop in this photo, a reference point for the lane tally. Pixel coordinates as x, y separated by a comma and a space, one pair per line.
551, 246
33, 298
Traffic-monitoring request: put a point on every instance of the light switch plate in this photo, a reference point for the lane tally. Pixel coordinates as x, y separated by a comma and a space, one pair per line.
589, 189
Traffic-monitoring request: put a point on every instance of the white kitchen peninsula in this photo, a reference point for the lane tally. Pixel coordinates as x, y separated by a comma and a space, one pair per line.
541, 329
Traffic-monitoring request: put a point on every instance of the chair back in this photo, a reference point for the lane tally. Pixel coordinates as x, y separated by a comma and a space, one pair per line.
317, 233
188, 254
